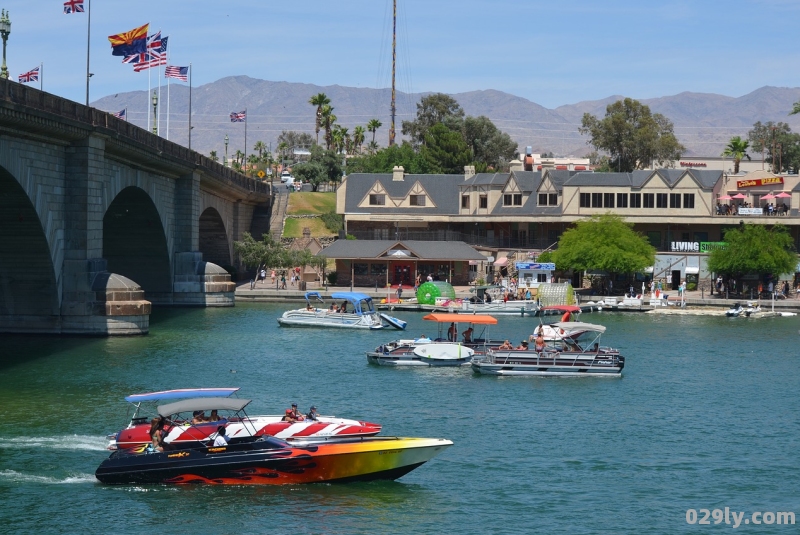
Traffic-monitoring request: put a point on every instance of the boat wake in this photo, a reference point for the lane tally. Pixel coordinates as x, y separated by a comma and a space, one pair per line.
67, 442
19, 477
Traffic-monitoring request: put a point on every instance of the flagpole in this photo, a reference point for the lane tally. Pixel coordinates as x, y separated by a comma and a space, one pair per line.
190, 106
159, 97
244, 166
88, 42
167, 104
41, 76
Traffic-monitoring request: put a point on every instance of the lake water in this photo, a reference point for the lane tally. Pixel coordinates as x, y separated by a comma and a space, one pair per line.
706, 416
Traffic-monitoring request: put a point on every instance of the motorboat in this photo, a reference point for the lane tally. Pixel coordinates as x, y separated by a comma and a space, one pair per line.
246, 459
441, 350
567, 331
735, 311
180, 429
483, 303
565, 358
355, 312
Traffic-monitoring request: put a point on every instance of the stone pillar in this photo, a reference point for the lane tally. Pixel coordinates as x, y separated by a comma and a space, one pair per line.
199, 283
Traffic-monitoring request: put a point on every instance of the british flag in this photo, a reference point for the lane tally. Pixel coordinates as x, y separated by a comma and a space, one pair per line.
30, 76
156, 54
238, 117
73, 6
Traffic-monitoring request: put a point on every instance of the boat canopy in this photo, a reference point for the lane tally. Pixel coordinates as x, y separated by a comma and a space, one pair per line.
577, 325
563, 308
309, 295
362, 303
181, 394
204, 404
478, 319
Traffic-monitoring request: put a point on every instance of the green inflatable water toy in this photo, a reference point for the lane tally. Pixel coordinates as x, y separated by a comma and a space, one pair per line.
429, 291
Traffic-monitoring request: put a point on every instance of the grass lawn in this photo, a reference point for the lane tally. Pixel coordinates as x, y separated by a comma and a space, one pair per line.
311, 202
294, 227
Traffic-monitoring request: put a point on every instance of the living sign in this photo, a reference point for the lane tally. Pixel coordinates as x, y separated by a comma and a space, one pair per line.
696, 246
759, 182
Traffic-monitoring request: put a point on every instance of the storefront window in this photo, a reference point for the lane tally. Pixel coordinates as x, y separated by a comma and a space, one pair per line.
377, 269
360, 269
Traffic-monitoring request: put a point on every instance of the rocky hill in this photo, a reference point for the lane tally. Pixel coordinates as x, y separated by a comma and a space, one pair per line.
703, 122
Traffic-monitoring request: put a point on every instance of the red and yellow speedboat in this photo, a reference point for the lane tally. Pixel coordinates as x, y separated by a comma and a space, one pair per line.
247, 459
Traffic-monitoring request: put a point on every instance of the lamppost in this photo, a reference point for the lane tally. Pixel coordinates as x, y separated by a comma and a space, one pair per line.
226, 150
5, 29
155, 113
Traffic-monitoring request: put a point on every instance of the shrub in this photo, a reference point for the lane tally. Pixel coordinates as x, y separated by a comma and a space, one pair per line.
691, 286
333, 221
332, 278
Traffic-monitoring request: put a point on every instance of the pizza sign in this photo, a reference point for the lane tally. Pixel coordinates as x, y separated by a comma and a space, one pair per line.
759, 182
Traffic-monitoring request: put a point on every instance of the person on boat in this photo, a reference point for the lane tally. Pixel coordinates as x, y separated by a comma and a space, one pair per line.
452, 332
422, 339
343, 308
506, 345
157, 433
288, 417
309, 307
528, 295
467, 335
523, 346
221, 439
312, 413
596, 348
488, 298
538, 343
298, 417
199, 417
214, 416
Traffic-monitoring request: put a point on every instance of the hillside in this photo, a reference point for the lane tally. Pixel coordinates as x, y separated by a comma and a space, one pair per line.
703, 121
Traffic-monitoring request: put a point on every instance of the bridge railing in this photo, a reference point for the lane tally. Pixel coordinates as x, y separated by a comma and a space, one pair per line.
97, 119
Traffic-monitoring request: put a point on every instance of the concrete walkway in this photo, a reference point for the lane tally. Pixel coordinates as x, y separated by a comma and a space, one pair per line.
267, 292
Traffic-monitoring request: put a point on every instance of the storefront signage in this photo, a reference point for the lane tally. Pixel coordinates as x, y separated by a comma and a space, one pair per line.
696, 246
759, 182
693, 164
543, 266
750, 211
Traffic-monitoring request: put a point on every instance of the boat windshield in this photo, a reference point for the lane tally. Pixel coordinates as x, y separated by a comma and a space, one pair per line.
366, 306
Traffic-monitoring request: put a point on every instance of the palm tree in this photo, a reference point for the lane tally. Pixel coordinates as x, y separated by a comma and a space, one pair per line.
213, 156
795, 108
373, 126
319, 100
737, 149
358, 138
260, 147
328, 120
372, 147
239, 157
252, 163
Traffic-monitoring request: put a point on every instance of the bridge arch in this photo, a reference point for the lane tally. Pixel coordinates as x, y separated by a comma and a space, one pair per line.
214, 242
135, 243
28, 283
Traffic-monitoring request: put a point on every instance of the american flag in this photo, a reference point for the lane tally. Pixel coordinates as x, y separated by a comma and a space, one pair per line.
122, 114
181, 73
30, 76
73, 6
238, 117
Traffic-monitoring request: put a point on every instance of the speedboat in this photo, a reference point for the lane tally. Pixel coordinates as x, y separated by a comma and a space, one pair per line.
735, 311
180, 429
568, 329
442, 350
561, 358
356, 312
247, 459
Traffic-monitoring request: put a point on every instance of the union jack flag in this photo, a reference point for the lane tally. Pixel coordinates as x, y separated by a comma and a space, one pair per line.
122, 114
181, 73
156, 54
238, 117
73, 6
30, 76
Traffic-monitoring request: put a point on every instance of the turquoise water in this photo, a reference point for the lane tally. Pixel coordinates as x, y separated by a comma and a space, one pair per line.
705, 416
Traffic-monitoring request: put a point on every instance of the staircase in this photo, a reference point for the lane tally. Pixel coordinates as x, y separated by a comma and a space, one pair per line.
278, 214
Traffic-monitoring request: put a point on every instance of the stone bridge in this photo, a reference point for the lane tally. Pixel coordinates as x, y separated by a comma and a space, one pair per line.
99, 219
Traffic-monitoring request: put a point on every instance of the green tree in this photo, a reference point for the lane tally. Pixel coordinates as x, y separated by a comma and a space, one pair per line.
778, 138
323, 166
755, 249
328, 120
489, 145
632, 135
373, 126
358, 138
433, 109
319, 100
266, 253
736, 149
384, 160
606, 243
445, 150
260, 147
311, 172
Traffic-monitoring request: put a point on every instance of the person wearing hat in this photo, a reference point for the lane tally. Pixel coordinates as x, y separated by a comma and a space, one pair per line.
312, 414
523, 345
296, 415
288, 417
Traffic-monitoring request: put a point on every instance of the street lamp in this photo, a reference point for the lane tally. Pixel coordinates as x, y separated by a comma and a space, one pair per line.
155, 113
5, 29
226, 149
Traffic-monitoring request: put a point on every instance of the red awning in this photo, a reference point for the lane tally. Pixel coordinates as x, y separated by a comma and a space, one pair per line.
580, 168
561, 168
501, 261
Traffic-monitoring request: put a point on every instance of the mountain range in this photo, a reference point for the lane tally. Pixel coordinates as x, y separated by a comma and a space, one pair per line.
704, 122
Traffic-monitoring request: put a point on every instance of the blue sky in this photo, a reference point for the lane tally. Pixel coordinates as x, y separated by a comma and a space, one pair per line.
552, 53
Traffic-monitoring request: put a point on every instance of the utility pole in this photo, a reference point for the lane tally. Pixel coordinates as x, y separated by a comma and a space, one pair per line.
394, 63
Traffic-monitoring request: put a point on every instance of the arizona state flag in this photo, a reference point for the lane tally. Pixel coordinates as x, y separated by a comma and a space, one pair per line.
129, 43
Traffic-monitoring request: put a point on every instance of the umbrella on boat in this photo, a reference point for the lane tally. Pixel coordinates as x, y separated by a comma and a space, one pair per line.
739, 196
725, 198
783, 195
768, 196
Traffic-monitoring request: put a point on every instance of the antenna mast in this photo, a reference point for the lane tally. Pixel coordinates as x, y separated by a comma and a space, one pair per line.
394, 62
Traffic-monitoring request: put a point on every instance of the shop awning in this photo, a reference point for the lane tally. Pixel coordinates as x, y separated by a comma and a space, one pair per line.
692, 270
501, 261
